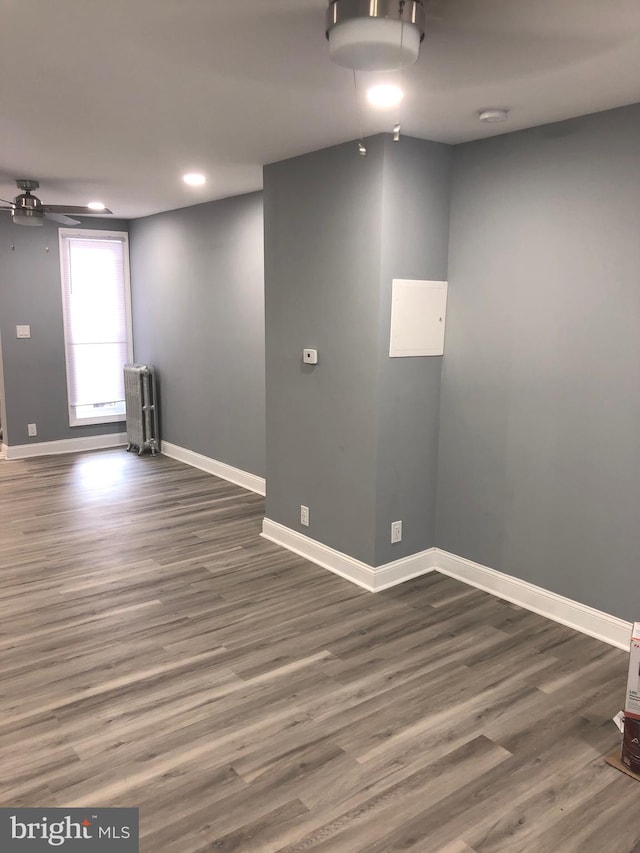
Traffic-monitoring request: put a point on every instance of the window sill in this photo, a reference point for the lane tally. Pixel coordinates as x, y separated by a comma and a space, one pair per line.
100, 419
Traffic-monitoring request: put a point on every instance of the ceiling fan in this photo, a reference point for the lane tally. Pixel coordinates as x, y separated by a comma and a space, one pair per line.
27, 209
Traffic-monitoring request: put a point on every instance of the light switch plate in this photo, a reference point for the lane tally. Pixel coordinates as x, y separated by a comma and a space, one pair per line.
23, 331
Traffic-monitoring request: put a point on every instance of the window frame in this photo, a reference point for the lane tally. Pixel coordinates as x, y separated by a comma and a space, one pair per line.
94, 234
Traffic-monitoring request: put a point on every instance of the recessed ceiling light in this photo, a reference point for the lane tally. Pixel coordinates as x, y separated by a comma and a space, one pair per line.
384, 95
194, 179
493, 116
96, 205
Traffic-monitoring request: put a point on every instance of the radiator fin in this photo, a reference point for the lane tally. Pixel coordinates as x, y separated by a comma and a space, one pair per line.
142, 409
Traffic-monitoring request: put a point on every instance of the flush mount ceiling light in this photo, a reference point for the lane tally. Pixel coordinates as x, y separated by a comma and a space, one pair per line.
96, 205
384, 96
194, 179
493, 116
375, 35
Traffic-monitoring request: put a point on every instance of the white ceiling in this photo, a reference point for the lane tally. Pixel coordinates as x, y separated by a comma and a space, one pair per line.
115, 100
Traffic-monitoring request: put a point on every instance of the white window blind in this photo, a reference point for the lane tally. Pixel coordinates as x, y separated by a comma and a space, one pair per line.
95, 289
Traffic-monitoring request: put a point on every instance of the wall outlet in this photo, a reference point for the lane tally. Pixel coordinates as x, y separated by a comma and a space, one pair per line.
396, 532
304, 515
32, 430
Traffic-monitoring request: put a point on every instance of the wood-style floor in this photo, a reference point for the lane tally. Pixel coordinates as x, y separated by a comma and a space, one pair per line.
156, 652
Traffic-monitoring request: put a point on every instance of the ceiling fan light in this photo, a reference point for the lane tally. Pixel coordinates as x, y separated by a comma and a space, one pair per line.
96, 205
28, 217
375, 36
374, 44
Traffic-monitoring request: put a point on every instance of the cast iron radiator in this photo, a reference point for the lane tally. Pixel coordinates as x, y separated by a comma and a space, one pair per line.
142, 411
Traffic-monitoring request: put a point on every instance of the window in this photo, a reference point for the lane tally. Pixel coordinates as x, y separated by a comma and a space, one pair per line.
96, 304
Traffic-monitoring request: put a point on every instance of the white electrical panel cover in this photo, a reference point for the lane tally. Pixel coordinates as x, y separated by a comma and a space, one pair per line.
418, 317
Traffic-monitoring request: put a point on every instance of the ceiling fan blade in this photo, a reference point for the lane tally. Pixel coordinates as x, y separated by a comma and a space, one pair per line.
73, 209
60, 219
10, 203
2, 207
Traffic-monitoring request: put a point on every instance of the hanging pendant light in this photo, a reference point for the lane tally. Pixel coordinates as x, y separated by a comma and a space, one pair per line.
375, 35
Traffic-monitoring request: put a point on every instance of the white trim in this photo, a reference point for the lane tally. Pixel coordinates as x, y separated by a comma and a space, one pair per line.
595, 623
581, 617
219, 469
65, 445
616, 632
100, 419
368, 577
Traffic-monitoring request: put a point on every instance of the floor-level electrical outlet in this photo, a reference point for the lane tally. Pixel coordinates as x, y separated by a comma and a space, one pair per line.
396, 532
32, 430
304, 515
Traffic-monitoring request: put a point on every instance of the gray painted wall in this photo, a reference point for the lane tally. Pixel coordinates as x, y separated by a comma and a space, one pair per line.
538, 441
415, 239
3, 411
322, 273
539, 472
35, 385
198, 307
354, 438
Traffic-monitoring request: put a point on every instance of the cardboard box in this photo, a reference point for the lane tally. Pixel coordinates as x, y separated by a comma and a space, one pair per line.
615, 760
632, 702
629, 721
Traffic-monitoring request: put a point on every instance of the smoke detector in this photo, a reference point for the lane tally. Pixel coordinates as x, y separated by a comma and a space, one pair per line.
493, 116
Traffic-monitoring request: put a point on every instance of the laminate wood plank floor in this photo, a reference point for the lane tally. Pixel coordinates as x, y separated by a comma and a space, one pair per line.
157, 652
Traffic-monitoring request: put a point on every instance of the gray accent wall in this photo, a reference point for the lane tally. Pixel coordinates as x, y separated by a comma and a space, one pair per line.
355, 437
35, 384
322, 271
415, 240
198, 307
539, 463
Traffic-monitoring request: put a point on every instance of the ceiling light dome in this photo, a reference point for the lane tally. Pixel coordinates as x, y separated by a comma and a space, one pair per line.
375, 35
27, 217
27, 210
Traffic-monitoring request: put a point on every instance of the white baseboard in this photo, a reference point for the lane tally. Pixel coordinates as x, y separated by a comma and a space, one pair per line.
368, 577
581, 617
65, 445
219, 469
616, 632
